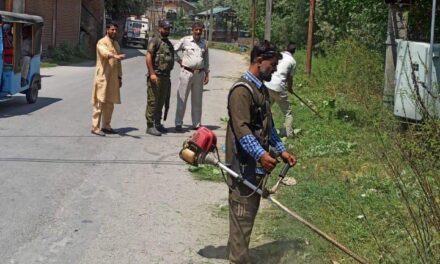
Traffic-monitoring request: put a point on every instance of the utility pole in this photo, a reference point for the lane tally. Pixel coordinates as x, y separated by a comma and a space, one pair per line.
153, 14
211, 23
268, 23
18, 6
253, 15
310, 37
434, 7
206, 22
396, 29
163, 11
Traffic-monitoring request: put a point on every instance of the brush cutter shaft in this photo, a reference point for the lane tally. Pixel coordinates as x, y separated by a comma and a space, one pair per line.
306, 104
285, 170
316, 230
238, 177
212, 160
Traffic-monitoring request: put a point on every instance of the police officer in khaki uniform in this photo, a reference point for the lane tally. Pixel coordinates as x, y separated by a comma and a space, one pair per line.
250, 132
160, 62
194, 74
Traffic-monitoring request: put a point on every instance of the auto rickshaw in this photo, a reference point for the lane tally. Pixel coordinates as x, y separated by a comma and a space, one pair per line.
20, 55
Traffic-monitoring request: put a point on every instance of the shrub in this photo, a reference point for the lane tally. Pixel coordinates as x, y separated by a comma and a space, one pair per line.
66, 53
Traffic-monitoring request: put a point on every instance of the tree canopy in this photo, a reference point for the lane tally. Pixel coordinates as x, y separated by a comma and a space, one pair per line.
118, 8
362, 20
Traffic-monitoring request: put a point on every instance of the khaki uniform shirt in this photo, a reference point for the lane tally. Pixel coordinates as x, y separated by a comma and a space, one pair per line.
195, 55
108, 70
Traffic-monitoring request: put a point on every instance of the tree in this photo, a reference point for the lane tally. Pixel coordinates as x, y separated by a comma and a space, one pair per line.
122, 8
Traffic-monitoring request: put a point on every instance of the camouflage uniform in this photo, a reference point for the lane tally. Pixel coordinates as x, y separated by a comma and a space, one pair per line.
158, 93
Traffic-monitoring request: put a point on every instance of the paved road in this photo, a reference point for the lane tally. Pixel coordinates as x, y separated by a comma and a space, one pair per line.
71, 197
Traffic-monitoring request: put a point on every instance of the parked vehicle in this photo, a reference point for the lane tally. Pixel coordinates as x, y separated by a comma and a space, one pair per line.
20, 52
136, 31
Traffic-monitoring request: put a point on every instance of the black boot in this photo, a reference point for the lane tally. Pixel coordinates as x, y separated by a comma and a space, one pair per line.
161, 128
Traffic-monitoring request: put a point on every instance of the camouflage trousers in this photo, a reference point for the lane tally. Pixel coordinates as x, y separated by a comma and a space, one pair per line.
157, 94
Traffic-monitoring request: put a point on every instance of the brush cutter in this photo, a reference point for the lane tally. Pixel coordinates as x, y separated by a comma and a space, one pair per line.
306, 104
201, 148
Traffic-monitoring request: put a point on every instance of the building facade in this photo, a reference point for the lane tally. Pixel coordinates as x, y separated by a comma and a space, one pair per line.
73, 22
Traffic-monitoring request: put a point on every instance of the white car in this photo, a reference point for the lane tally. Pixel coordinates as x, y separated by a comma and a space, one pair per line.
136, 32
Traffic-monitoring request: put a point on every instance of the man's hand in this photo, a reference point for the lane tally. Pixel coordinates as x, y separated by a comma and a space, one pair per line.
153, 78
288, 158
268, 162
119, 56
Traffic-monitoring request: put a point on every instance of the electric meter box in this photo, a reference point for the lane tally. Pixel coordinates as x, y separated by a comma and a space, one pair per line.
411, 80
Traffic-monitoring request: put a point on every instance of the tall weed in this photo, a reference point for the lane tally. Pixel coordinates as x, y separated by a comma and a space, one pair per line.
372, 186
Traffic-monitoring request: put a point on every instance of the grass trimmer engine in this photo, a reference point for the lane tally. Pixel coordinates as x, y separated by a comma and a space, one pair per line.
195, 149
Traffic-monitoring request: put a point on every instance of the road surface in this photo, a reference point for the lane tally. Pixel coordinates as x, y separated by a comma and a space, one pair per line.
68, 196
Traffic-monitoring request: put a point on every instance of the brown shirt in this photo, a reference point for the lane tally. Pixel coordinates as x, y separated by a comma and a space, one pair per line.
108, 71
244, 120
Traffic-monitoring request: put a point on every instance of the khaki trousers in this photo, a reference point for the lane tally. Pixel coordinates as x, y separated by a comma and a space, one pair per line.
242, 213
102, 115
190, 82
282, 99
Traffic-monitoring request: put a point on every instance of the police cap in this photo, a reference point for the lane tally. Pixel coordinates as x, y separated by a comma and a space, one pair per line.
164, 23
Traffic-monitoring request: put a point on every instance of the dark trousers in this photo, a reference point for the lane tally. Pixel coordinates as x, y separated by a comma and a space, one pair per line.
157, 93
242, 212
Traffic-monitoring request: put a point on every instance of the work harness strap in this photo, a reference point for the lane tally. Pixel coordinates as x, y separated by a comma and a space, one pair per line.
257, 108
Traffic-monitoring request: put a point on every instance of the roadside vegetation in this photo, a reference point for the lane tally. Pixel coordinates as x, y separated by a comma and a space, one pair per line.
366, 178
360, 178
66, 54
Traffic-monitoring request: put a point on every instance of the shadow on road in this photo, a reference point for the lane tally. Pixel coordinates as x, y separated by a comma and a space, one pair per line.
46, 76
273, 252
210, 127
132, 52
123, 132
18, 106
190, 128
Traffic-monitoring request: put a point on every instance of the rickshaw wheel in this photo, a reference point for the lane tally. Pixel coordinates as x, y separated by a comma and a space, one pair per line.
32, 92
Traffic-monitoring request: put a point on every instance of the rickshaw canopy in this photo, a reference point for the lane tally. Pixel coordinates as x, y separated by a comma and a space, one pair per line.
10, 17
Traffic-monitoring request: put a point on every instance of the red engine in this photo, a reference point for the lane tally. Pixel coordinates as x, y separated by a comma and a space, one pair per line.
201, 143
204, 139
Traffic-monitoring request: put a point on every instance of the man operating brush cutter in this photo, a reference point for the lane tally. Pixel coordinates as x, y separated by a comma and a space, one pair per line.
201, 149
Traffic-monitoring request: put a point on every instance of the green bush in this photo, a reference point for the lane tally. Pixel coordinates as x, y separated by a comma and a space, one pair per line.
66, 53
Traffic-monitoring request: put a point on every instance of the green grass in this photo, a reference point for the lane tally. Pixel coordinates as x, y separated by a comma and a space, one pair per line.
206, 173
231, 47
48, 64
343, 187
